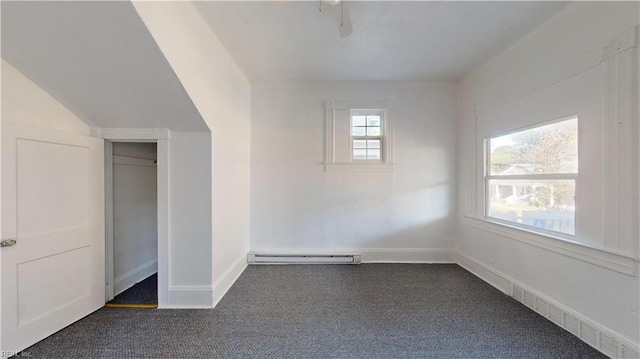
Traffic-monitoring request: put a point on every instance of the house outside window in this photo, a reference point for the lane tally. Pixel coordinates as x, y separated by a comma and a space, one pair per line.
530, 176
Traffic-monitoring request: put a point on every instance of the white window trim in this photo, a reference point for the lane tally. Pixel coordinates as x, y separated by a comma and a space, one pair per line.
385, 164
620, 218
620, 262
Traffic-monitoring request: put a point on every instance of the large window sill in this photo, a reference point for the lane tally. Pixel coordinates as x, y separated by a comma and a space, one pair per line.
619, 262
358, 167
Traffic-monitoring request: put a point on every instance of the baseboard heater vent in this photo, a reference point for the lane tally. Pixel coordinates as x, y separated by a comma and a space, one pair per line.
303, 258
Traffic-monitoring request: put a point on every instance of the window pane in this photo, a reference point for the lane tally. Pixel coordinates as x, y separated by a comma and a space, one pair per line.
373, 121
546, 149
359, 154
373, 154
358, 121
373, 131
358, 131
359, 144
373, 143
547, 204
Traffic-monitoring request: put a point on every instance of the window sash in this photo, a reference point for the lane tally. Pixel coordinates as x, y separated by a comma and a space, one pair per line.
369, 138
543, 176
380, 136
362, 138
546, 176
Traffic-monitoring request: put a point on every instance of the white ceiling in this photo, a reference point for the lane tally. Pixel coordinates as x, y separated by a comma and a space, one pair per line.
394, 40
99, 60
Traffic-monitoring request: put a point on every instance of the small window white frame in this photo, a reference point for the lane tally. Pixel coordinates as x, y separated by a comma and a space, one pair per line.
385, 109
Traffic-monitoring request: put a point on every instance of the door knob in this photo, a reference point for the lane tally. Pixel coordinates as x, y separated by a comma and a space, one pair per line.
7, 242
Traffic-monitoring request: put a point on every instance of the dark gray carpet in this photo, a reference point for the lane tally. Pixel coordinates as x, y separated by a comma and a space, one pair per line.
145, 292
339, 311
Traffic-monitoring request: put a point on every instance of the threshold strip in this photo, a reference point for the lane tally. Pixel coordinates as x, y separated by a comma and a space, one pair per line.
143, 306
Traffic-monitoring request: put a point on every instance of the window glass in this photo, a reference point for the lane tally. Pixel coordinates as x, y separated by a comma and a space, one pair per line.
366, 132
359, 154
373, 131
359, 121
373, 143
546, 149
373, 121
373, 154
359, 144
532, 174
359, 131
547, 204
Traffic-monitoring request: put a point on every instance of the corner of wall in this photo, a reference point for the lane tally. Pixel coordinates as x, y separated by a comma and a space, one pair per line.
222, 285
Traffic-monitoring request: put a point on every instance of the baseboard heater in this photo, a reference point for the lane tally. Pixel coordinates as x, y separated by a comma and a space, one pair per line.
254, 258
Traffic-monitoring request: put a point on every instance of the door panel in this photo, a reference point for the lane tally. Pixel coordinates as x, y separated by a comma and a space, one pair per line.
63, 203
64, 276
53, 206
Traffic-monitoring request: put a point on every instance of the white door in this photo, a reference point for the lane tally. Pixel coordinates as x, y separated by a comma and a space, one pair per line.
53, 207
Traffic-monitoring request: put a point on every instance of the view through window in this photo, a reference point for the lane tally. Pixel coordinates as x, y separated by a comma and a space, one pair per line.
366, 135
531, 176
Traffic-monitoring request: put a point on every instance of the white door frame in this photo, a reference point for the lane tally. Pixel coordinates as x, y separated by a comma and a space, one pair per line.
162, 137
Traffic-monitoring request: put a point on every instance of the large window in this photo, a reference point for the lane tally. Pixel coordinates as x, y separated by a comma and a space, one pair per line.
531, 175
366, 135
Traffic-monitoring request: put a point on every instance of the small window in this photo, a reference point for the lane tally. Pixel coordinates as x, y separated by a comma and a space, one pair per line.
358, 136
366, 135
531, 176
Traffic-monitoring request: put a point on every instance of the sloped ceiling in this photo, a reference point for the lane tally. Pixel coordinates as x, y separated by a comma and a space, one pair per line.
391, 40
99, 60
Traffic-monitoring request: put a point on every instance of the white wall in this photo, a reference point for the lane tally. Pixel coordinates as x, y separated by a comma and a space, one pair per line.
190, 206
297, 207
560, 69
221, 92
26, 104
135, 217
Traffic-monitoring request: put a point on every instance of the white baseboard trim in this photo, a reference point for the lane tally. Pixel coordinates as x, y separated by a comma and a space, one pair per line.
189, 297
137, 275
599, 337
375, 255
487, 274
222, 284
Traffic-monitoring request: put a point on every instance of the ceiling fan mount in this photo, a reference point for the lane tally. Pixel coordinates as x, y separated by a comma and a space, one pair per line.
341, 15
